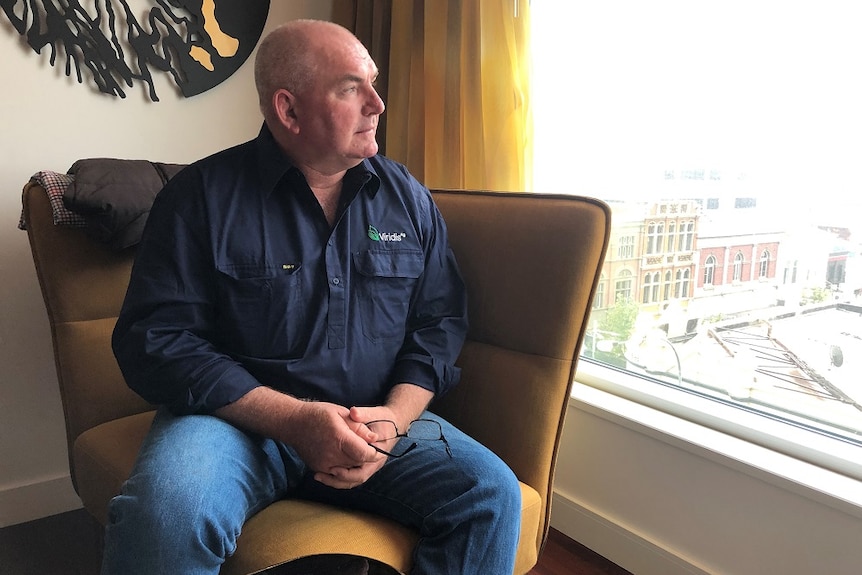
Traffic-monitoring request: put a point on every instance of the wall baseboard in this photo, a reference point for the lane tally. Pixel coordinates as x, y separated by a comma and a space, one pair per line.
631, 551
49, 496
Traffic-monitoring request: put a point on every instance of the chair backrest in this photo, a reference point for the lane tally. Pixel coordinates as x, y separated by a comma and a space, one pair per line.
83, 284
531, 264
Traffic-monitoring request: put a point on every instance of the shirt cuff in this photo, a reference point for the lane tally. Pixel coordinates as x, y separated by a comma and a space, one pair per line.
428, 373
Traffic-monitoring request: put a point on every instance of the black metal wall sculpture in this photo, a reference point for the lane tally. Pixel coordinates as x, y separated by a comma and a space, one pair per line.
199, 43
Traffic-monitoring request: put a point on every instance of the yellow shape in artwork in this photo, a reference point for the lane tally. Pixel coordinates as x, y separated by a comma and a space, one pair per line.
225, 45
202, 56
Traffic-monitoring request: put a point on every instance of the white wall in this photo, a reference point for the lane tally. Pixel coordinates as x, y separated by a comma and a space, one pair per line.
663, 496
47, 121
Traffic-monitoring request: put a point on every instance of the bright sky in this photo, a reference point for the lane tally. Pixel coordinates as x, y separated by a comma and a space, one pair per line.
625, 89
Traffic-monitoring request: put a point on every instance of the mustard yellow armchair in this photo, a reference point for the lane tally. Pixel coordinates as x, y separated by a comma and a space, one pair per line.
531, 264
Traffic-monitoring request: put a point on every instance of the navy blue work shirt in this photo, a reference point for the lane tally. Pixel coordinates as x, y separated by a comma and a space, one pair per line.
239, 281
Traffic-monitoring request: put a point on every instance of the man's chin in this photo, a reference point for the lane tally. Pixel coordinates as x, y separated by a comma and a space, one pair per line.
369, 151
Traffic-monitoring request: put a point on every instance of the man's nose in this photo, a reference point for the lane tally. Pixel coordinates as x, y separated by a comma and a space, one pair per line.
375, 103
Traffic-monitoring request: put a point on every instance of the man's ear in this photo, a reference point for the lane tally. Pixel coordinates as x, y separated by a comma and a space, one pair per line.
284, 105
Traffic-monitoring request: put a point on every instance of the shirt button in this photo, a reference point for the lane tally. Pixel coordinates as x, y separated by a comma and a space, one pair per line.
336, 281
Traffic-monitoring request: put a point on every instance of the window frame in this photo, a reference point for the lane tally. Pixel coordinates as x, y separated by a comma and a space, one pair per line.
831, 453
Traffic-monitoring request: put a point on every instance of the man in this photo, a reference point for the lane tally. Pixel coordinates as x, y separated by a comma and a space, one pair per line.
287, 292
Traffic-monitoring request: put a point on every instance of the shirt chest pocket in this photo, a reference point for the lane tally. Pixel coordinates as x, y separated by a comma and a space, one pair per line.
260, 311
385, 281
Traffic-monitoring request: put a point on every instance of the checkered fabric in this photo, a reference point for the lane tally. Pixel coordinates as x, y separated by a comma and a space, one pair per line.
55, 184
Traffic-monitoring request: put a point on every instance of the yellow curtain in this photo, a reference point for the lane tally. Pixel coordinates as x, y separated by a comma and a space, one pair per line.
458, 106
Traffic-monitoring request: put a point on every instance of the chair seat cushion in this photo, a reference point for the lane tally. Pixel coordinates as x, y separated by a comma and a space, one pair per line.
103, 457
319, 528
286, 530
268, 539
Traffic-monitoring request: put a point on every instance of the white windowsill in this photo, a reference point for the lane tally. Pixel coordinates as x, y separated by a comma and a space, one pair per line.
818, 467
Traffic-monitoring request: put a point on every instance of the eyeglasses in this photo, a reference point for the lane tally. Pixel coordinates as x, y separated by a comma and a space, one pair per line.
419, 429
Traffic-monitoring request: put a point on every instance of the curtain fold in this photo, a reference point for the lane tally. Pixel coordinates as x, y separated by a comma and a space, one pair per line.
457, 89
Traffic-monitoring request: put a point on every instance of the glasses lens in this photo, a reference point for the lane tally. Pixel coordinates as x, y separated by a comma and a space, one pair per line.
424, 429
384, 429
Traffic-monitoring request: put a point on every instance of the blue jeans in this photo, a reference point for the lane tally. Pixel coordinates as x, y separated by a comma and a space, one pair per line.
198, 479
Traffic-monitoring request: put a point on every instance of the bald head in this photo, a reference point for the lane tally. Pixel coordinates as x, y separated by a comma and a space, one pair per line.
290, 56
316, 86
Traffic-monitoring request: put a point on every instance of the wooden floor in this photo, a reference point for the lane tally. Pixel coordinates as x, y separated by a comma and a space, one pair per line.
68, 544
65, 544
563, 556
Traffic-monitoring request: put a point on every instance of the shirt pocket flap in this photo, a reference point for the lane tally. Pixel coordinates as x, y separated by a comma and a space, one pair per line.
390, 264
257, 271
247, 271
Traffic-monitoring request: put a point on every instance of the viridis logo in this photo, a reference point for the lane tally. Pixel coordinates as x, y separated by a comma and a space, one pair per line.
384, 236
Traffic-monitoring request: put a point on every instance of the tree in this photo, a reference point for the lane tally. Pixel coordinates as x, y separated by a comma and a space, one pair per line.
619, 321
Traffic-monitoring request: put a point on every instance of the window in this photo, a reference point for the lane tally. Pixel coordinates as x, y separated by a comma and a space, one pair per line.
738, 261
651, 287
671, 236
659, 237
764, 265
689, 237
623, 287
647, 285
680, 289
745, 112
709, 271
790, 272
599, 299
626, 247
653, 238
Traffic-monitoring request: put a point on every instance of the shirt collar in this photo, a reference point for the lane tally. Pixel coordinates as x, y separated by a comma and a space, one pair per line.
273, 165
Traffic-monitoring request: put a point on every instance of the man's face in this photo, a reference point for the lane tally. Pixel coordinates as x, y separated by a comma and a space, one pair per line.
338, 114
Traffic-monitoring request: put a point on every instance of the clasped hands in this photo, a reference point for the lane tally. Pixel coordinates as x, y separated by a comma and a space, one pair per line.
335, 442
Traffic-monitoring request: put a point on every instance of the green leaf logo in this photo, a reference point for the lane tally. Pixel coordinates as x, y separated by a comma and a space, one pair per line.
373, 233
